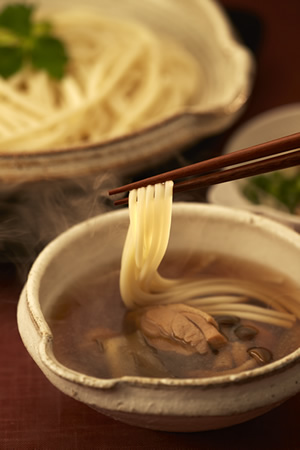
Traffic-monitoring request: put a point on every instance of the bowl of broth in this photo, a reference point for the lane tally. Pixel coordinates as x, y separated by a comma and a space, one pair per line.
121, 362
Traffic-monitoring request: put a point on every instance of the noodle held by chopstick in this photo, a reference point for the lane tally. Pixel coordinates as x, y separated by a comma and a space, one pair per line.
141, 285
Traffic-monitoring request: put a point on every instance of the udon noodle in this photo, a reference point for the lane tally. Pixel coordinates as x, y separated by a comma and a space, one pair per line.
121, 77
141, 285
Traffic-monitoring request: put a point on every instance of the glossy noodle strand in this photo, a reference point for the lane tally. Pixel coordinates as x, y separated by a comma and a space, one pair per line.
150, 212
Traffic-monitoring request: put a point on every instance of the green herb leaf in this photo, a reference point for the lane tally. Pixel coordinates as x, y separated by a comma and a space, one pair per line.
285, 189
17, 18
49, 54
23, 40
11, 60
41, 28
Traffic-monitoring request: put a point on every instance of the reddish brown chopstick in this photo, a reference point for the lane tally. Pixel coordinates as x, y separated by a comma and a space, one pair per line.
209, 172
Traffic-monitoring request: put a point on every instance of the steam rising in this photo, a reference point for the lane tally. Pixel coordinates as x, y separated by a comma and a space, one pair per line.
32, 214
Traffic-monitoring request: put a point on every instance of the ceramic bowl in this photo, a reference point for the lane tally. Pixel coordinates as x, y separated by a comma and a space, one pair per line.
162, 404
204, 28
269, 125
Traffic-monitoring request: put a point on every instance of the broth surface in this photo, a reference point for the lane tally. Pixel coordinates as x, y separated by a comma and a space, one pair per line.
93, 333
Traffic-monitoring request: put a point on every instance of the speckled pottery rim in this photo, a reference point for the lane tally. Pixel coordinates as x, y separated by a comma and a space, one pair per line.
248, 393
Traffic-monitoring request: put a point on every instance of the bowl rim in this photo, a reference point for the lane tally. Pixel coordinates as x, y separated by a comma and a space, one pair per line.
30, 295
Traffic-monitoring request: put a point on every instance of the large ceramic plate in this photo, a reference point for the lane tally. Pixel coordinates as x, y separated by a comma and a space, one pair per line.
205, 30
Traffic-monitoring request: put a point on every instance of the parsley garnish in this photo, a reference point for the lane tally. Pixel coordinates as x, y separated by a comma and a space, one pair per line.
23, 41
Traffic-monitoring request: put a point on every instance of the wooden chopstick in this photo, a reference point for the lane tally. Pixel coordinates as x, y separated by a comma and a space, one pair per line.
209, 171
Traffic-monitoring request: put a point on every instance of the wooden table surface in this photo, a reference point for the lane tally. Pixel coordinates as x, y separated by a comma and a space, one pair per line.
36, 416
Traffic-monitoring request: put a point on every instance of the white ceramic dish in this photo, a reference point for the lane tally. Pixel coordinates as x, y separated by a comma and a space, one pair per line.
164, 404
269, 125
205, 29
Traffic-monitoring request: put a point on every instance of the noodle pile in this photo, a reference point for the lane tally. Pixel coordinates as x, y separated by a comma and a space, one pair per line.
121, 77
150, 211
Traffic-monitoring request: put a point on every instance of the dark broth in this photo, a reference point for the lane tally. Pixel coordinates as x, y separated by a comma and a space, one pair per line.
93, 333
